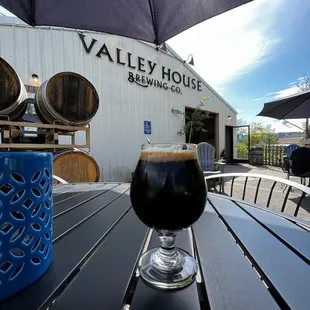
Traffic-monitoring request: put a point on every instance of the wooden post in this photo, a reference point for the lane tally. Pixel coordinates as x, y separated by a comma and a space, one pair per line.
88, 136
282, 154
73, 138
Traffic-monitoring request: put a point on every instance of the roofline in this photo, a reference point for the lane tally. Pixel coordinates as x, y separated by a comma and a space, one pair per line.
19, 23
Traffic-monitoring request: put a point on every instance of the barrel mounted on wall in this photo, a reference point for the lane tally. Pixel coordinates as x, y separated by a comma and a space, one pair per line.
76, 166
13, 94
65, 104
67, 98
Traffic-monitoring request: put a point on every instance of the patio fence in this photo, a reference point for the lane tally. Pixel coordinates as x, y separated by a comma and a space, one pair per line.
273, 155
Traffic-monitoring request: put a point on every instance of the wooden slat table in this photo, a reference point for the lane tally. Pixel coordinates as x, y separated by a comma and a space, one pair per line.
249, 258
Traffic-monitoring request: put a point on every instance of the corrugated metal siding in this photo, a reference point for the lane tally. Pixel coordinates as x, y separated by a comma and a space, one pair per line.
117, 130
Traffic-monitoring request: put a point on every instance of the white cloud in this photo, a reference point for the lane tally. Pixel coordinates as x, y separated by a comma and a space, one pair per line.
230, 44
284, 92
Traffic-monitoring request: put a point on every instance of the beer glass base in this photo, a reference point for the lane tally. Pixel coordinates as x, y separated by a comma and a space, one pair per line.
180, 272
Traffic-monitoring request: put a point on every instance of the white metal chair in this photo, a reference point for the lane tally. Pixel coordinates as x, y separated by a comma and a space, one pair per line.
60, 180
253, 191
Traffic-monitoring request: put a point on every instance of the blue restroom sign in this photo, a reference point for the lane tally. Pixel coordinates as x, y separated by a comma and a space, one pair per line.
240, 137
147, 127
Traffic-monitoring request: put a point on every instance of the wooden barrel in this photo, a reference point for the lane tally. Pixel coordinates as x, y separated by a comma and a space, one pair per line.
256, 156
67, 98
13, 94
76, 166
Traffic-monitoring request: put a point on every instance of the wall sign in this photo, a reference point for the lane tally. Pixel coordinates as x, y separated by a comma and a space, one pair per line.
240, 137
147, 127
170, 80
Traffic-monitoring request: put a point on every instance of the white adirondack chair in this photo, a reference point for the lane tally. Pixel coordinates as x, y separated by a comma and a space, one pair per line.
206, 154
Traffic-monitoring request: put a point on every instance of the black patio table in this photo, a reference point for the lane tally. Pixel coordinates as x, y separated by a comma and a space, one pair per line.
249, 258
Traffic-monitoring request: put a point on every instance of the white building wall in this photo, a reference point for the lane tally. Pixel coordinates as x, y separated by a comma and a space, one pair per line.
117, 129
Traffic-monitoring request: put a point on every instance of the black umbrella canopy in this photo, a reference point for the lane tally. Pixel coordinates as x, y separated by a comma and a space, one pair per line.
292, 107
153, 21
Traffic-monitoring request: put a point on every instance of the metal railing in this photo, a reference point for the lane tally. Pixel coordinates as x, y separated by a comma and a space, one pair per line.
216, 183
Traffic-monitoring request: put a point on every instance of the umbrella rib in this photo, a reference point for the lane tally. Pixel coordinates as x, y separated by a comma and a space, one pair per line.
294, 107
152, 9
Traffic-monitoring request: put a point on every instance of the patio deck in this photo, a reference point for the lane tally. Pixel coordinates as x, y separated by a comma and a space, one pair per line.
278, 194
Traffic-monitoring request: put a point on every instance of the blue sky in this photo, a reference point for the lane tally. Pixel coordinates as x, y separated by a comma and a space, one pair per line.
252, 54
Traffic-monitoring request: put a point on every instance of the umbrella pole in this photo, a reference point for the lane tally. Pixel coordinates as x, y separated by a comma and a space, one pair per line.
291, 124
307, 134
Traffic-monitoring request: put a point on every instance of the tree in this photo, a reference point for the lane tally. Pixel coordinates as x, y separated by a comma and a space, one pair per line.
262, 134
241, 122
304, 85
193, 121
259, 134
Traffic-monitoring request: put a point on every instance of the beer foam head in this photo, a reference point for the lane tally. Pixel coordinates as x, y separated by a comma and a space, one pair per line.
158, 154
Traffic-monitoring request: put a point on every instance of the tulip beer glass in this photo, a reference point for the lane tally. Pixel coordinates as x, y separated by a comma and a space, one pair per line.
168, 193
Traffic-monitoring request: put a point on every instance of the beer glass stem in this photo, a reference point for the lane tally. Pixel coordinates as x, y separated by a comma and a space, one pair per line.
167, 259
167, 244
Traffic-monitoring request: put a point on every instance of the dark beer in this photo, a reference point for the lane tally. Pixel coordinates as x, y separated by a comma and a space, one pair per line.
168, 189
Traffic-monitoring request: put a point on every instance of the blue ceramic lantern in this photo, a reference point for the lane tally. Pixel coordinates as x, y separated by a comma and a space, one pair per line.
26, 204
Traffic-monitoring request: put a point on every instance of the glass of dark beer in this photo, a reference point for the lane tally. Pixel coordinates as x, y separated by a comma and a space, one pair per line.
168, 193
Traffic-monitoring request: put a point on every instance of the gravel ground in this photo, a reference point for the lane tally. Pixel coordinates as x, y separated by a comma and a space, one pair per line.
265, 186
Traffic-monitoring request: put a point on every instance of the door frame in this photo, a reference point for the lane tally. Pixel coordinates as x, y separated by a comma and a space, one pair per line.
241, 161
217, 127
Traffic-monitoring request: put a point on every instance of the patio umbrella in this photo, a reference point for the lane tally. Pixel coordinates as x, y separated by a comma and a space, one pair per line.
153, 21
292, 107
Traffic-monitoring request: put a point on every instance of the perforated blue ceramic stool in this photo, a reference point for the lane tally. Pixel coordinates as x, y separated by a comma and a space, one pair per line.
25, 219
